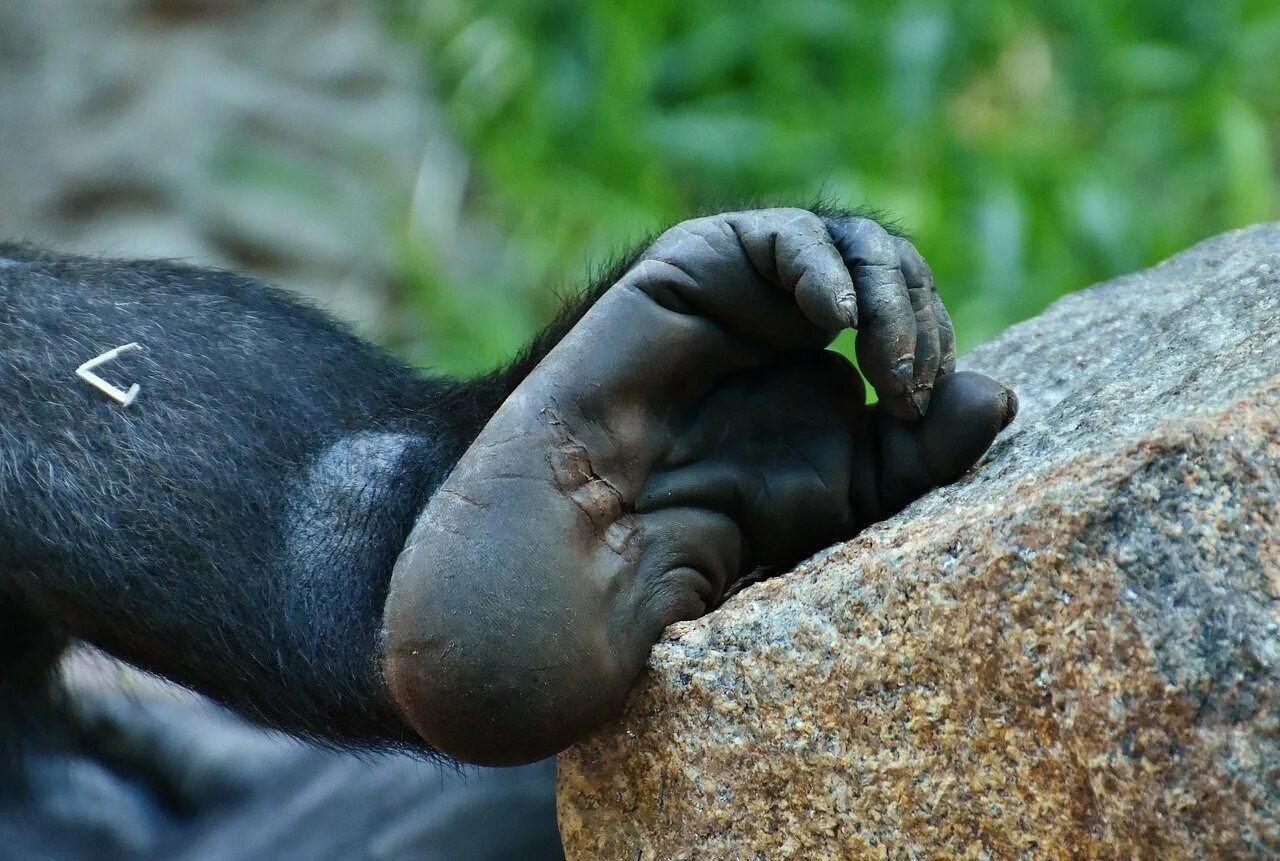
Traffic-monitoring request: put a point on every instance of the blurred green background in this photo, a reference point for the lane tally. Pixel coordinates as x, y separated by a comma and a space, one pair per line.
1031, 148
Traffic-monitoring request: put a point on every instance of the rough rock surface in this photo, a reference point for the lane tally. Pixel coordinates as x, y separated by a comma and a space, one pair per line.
1073, 653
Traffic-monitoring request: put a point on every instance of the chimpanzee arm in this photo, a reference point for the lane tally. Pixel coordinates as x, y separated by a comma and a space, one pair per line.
237, 525
234, 527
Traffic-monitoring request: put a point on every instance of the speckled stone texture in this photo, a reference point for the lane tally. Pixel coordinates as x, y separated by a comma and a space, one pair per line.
1072, 653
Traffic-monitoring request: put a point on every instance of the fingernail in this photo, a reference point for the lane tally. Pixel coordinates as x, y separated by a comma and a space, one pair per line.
1010, 407
921, 400
849, 305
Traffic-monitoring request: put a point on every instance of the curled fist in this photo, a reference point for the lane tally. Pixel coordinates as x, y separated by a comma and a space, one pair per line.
690, 430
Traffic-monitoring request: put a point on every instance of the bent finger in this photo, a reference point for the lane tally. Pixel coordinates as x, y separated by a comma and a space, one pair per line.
886, 345
793, 248
919, 280
968, 411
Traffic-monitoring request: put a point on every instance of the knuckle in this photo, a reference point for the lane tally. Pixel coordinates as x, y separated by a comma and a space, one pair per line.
871, 231
786, 221
801, 218
869, 244
693, 238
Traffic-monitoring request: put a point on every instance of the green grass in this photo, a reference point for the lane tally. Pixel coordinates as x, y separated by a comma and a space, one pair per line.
1032, 148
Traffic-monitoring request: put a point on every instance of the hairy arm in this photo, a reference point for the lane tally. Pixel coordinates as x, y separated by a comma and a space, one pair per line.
292, 522
233, 528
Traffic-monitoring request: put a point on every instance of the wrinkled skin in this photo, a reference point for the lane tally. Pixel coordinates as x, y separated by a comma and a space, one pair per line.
690, 430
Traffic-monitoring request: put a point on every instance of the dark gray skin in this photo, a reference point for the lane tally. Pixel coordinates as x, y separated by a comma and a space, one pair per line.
689, 430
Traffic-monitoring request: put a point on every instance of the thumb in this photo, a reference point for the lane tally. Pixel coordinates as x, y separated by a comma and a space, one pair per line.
965, 414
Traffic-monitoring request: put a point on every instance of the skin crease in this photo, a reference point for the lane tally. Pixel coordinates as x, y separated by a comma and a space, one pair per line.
688, 429
294, 524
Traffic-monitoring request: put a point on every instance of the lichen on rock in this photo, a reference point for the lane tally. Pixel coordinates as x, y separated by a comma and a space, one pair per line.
1074, 652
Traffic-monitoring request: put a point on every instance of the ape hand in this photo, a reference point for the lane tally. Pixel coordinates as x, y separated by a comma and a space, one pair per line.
689, 430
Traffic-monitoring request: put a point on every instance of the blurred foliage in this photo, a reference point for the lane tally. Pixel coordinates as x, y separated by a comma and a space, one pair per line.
1030, 147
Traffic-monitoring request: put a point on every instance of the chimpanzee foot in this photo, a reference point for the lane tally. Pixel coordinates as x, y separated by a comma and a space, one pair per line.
690, 428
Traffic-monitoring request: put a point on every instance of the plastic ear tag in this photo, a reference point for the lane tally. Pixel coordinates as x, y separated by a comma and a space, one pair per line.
120, 396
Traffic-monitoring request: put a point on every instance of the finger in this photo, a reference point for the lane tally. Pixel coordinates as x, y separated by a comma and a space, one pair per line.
919, 281
886, 345
971, 409
703, 268
946, 335
793, 248
967, 411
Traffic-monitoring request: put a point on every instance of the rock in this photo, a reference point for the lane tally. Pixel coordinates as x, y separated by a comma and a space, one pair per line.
1072, 653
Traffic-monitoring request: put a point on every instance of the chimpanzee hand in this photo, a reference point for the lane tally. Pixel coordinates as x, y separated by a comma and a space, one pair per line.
689, 430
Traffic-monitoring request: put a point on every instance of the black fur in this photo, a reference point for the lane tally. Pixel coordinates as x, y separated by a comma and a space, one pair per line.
160, 531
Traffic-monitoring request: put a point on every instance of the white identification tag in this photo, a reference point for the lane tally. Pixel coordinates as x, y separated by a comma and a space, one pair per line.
85, 372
